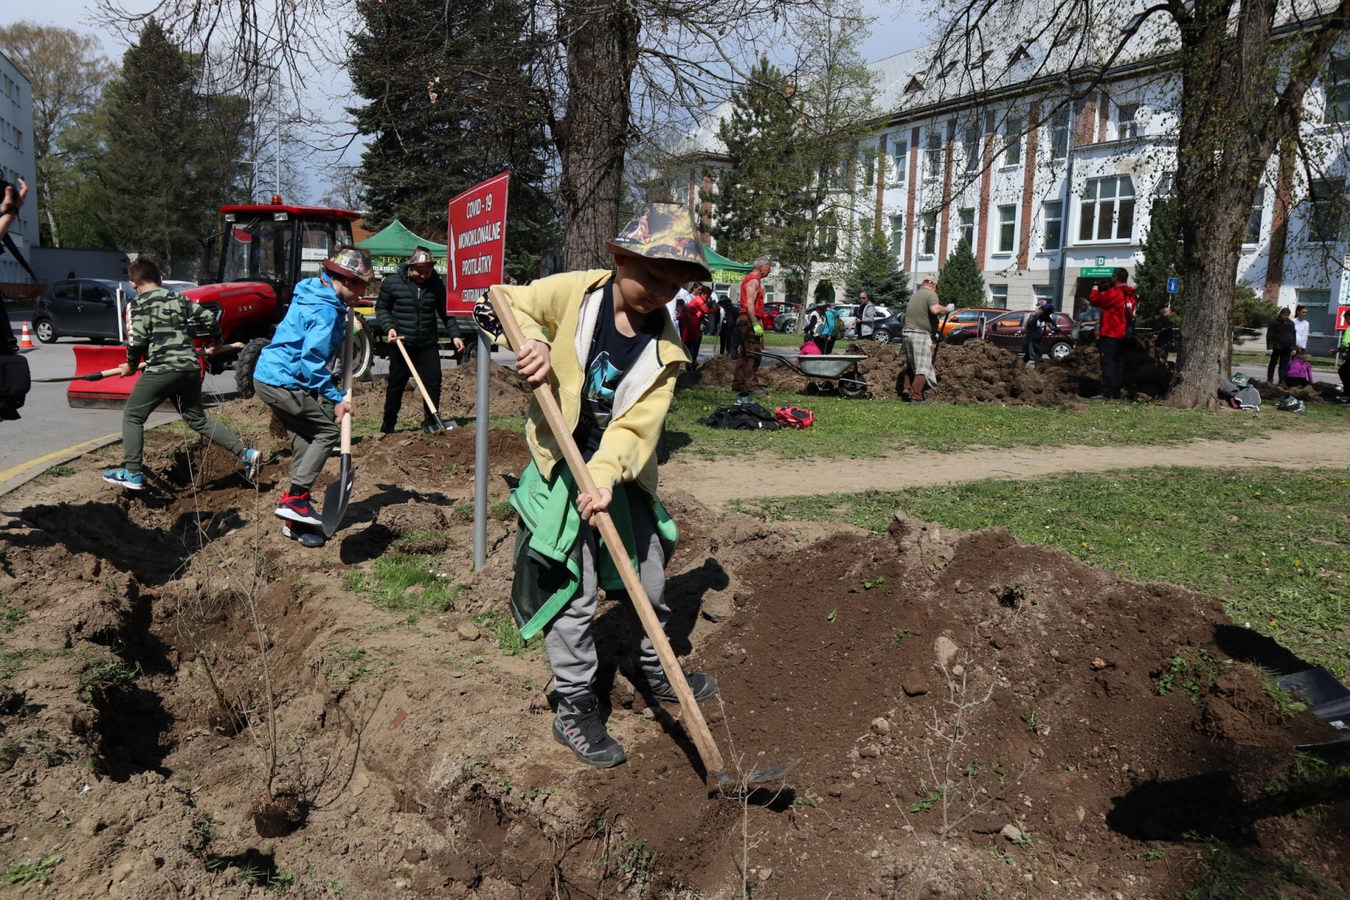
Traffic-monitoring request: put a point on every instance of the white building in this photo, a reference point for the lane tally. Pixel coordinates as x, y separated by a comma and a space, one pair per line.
1044, 206
17, 161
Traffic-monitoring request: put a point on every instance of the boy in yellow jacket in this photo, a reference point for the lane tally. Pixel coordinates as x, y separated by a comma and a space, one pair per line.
603, 341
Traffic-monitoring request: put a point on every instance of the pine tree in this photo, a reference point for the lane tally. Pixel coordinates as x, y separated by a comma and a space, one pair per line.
170, 153
452, 103
763, 193
875, 271
960, 281
1160, 260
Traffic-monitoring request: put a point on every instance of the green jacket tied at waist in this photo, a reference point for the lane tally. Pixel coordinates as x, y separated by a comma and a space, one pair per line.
548, 552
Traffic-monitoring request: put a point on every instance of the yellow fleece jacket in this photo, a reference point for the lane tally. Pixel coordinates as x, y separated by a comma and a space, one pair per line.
562, 310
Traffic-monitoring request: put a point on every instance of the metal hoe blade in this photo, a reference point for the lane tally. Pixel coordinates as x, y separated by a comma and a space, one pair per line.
725, 779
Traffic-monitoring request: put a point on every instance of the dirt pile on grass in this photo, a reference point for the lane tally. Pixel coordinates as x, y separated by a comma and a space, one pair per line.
970, 715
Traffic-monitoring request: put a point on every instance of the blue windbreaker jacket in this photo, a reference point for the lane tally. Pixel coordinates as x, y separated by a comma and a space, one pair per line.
309, 336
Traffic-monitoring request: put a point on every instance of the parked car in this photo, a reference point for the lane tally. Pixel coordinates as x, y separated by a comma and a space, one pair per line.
888, 329
1007, 331
79, 307
968, 315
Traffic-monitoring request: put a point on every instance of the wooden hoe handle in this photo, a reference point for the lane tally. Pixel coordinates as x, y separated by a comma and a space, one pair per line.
698, 727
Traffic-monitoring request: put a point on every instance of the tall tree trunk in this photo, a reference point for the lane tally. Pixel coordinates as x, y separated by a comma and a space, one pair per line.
593, 136
1209, 264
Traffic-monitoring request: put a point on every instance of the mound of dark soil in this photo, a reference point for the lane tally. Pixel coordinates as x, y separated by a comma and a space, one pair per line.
967, 714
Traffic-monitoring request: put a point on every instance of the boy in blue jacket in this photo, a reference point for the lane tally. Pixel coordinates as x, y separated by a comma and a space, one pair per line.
293, 378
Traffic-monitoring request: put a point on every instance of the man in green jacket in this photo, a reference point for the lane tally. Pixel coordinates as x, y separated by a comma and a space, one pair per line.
162, 324
411, 308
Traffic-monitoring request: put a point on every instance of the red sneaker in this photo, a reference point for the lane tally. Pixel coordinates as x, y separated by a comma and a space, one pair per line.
297, 508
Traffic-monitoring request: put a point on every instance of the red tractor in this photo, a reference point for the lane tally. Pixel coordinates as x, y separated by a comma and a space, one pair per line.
252, 266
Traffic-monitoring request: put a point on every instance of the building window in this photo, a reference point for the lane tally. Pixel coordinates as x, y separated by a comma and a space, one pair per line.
827, 239
998, 294
1007, 228
1166, 182
1052, 211
1059, 133
1106, 212
898, 237
900, 153
867, 162
1252, 235
1012, 137
1321, 312
970, 146
932, 155
1042, 292
1338, 90
967, 218
1325, 208
929, 233
1127, 129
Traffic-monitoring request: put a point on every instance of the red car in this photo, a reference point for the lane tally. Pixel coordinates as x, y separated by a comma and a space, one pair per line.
1009, 329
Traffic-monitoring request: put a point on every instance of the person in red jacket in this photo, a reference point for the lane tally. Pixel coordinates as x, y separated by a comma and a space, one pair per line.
691, 322
1116, 302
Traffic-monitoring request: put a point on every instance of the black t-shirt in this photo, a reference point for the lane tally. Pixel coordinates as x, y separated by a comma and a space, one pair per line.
611, 356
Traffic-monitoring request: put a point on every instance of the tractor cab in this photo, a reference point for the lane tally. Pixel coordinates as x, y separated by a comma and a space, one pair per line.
254, 262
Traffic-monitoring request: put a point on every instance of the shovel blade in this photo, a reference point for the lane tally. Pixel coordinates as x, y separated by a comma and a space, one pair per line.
335, 499
725, 779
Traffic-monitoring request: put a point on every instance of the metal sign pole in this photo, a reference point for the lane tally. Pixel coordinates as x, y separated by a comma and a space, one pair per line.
480, 454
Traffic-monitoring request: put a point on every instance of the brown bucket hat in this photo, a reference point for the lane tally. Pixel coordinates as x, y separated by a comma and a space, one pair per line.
350, 262
664, 231
421, 257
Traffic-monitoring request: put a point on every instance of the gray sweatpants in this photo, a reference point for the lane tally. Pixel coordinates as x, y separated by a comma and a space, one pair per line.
313, 432
568, 638
185, 389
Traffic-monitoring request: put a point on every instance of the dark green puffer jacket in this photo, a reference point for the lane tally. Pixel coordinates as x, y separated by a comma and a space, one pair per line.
415, 311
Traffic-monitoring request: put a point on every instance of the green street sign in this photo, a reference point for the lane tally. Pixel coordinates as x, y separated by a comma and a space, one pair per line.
1096, 272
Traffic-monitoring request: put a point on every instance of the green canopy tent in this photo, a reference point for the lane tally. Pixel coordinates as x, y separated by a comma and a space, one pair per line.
394, 243
724, 269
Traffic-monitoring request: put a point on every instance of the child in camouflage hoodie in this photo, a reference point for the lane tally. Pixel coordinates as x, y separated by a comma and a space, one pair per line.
162, 325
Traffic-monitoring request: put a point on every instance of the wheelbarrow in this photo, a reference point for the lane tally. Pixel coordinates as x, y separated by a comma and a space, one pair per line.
828, 372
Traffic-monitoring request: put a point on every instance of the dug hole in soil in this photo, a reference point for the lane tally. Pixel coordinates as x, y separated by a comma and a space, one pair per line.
969, 714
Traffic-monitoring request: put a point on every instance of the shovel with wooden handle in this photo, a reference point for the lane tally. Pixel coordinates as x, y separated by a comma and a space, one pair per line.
716, 773
417, 379
339, 493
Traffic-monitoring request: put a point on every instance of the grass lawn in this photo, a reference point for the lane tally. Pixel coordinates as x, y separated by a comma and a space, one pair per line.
859, 428
1273, 544
775, 339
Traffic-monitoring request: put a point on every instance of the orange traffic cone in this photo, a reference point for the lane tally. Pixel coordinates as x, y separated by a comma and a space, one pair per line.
26, 340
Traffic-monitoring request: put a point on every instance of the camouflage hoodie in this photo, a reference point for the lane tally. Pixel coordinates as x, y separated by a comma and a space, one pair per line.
162, 325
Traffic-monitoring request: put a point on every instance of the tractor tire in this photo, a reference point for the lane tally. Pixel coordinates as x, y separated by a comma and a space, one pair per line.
244, 364
363, 354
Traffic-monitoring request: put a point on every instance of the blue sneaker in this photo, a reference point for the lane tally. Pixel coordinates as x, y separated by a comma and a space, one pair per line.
134, 481
252, 463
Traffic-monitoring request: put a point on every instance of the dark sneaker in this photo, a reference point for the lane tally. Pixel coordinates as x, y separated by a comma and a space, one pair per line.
132, 481
297, 508
578, 725
252, 463
703, 686
306, 537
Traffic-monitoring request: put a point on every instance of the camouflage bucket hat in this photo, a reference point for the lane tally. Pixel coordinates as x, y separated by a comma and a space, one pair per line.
421, 257
663, 231
350, 263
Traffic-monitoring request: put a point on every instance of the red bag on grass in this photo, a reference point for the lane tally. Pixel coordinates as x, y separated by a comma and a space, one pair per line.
794, 417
